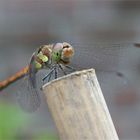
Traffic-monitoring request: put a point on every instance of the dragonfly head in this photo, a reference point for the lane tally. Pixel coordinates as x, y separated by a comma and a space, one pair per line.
63, 52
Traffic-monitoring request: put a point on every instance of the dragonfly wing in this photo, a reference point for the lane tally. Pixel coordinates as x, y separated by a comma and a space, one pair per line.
120, 60
102, 57
117, 60
28, 95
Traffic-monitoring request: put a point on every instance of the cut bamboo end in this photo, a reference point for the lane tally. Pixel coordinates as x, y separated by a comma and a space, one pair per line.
78, 107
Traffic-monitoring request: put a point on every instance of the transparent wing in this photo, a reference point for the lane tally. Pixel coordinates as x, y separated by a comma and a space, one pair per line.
116, 65
28, 94
120, 60
102, 57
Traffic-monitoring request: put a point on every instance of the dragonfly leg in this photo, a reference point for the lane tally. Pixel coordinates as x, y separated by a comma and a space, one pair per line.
48, 74
56, 75
71, 68
62, 69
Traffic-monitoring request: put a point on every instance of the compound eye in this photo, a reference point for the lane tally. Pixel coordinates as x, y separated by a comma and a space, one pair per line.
58, 46
65, 46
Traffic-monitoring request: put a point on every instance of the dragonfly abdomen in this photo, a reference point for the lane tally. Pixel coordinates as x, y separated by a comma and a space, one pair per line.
14, 78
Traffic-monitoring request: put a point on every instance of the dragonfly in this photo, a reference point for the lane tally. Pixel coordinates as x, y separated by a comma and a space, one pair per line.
53, 57
58, 58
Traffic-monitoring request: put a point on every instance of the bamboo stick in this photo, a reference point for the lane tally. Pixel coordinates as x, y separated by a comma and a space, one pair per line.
78, 107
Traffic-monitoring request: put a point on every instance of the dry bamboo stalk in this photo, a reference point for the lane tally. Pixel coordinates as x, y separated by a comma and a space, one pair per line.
78, 107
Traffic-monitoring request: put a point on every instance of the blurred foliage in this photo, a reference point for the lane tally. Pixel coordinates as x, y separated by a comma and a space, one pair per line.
12, 119
47, 136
